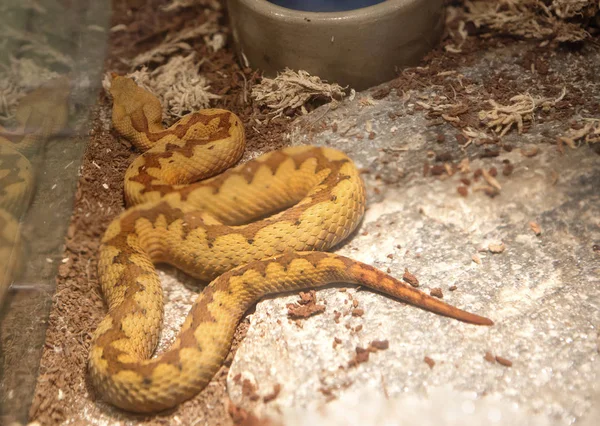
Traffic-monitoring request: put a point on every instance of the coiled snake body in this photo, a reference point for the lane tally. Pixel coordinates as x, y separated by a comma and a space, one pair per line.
256, 229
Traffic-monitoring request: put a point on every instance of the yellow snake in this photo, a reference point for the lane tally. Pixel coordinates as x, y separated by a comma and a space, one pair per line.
39, 115
255, 229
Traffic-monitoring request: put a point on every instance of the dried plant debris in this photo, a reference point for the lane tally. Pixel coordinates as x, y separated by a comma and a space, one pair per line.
502, 118
497, 119
292, 90
175, 43
588, 132
176, 5
532, 19
177, 84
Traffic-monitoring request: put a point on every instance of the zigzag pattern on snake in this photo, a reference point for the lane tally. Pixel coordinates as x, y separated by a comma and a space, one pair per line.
256, 229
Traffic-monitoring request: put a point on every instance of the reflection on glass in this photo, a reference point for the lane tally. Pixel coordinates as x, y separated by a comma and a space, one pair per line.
39, 116
50, 52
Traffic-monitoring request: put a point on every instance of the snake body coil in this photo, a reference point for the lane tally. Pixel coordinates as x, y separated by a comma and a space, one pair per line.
255, 229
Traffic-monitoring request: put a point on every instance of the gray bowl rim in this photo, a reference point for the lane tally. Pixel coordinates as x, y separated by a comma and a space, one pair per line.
265, 7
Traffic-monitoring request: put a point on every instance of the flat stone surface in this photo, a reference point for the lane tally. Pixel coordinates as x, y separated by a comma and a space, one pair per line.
542, 291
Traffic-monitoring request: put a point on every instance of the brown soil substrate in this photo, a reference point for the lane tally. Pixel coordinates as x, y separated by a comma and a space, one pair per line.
63, 391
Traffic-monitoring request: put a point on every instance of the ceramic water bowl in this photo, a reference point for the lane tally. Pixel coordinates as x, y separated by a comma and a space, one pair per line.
360, 47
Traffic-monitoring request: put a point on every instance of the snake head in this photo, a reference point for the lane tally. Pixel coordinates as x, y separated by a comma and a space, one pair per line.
131, 103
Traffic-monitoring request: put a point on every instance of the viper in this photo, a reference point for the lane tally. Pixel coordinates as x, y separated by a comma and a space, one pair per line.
260, 228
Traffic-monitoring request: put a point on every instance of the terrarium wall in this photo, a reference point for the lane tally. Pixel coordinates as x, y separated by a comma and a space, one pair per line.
51, 55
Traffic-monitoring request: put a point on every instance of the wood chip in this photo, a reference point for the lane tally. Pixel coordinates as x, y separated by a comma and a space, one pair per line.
362, 355
270, 397
496, 248
491, 179
249, 390
464, 166
358, 312
437, 292
425, 168
531, 152
449, 169
475, 258
410, 278
430, 362
489, 357
380, 344
438, 170
507, 169
503, 361
537, 230
305, 307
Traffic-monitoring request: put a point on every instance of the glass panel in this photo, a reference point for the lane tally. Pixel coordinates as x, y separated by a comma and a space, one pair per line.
51, 56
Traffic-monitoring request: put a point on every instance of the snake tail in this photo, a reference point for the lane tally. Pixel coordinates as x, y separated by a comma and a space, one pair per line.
149, 385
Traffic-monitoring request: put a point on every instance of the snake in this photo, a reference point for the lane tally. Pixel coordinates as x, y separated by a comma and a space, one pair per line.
259, 228
40, 115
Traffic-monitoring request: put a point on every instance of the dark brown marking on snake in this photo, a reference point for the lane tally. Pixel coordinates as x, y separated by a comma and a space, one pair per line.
249, 170
151, 158
250, 230
139, 122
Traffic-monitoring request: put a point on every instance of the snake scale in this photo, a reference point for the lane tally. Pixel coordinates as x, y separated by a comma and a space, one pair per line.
256, 229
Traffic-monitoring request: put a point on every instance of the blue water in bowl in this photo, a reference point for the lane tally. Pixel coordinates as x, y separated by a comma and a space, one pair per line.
325, 5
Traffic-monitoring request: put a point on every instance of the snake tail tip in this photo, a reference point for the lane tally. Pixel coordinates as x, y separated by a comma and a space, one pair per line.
485, 321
